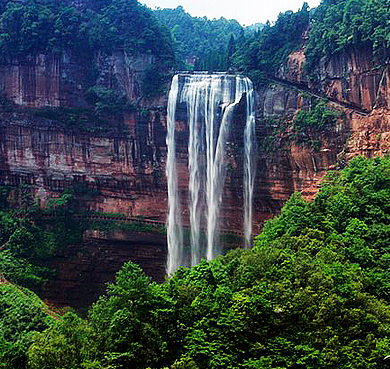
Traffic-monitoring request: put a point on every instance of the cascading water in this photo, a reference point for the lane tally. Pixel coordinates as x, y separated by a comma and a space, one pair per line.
174, 229
249, 166
210, 102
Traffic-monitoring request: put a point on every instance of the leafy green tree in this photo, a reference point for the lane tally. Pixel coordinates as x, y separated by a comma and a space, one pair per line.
341, 25
199, 37
59, 347
21, 315
34, 26
231, 49
263, 54
126, 321
319, 116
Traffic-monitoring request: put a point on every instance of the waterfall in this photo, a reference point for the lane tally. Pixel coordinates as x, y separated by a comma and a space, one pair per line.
209, 102
174, 229
249, 166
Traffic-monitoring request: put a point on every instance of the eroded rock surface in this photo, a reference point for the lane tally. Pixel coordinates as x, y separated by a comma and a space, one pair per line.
121, 168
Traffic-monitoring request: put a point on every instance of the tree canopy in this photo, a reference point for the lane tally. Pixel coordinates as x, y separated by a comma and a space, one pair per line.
339, 25
200, 38
43, 26
22, 314
312, 293
262, 54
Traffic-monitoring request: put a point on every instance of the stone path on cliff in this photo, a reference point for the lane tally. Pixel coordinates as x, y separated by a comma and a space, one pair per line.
128, 219
305, 88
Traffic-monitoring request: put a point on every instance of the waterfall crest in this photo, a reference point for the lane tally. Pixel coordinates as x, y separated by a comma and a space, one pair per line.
209, 102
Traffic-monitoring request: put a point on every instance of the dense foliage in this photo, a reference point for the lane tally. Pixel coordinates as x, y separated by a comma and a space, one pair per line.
334, 26
22, 314
47, 26
262, 55
207, 41
317, 114
28, 239
312, 121
342, 24
312, 293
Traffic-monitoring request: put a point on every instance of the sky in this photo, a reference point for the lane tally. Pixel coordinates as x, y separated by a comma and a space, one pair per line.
246, 12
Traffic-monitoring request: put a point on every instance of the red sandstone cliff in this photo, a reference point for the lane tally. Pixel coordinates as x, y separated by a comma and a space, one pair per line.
124, 165
127, 167
122, 162
354, 84
117, 161
61, 80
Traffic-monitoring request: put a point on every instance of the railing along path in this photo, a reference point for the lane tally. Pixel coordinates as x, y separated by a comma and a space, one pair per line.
129, 219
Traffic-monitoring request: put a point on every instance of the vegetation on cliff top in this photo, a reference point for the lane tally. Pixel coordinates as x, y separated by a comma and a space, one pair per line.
312, 293
210, 43
333, 27
35, 26
261, 56
85, 29
339, 25
45, 26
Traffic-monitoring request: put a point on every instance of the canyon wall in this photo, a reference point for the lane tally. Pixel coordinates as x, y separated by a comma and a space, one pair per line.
119, 159
353, 84
123, 162
52, 140
63, 79
117, 164
84, 270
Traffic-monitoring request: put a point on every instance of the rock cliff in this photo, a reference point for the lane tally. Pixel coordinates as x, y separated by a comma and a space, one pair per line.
84, 270
119, 162
52, 139
123, 163
118, 158
353, 83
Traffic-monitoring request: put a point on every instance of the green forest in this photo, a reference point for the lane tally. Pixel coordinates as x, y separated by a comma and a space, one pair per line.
334, 26
180, 41
47, 26
314, 290
210, 43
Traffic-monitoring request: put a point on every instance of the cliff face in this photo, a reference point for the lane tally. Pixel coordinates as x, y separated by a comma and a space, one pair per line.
83, 270
62, 80
351, 77
43, 80
288, 161
125, 166
52, 159
51, 139
120, 162
120, 165
353, 84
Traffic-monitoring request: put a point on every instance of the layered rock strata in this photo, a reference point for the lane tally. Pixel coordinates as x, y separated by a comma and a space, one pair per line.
121, 167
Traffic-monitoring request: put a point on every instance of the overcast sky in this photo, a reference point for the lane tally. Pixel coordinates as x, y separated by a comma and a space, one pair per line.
246, 12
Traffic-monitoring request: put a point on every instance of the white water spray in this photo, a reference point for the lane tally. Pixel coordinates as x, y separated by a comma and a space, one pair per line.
249, 166
174, 229
210, 102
